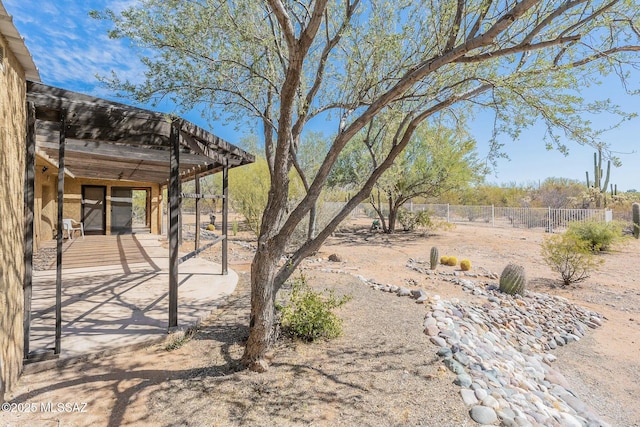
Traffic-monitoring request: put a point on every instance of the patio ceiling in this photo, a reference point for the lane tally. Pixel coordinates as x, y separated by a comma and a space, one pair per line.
108, 140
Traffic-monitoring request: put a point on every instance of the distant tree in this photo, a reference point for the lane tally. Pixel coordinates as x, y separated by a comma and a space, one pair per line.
249, 191
437, 160
558, 193
492, 194
313, 148
208, 185
284, 64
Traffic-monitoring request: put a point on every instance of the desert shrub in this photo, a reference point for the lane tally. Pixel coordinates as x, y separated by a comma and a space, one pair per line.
452, 261
599, 236
308, 315
570, 256
177, 339
411, 220
473, 212
465, 265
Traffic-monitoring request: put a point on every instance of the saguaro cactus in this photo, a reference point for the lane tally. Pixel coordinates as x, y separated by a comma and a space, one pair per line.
433, 258
635, 214
513, 279
597, 178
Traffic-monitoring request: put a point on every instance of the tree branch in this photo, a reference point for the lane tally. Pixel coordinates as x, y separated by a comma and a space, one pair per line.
604, 53
285, 24
517, 49
312, 245
331, 43
484, 8
455, 29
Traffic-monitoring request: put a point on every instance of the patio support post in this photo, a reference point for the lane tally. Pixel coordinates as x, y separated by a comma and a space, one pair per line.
29, 202
180, 239
197, 238
174, 212
59, 232
225, 213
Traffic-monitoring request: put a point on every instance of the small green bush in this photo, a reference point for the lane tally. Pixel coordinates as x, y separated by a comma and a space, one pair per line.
599, 236
308, 315
411, 220
571, 257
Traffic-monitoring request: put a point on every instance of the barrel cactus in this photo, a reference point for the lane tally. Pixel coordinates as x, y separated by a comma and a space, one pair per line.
513, 279
444, 260
433, 258
465, 265
452, 261
635, 213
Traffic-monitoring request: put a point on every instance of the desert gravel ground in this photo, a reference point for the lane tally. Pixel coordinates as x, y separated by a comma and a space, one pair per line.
383, 371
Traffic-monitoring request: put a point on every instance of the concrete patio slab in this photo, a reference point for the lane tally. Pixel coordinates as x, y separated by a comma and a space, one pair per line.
115, 295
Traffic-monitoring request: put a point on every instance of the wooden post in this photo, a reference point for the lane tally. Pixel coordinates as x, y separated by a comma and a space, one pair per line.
225, 213
29, 203
197, 238
173, 193
63, 126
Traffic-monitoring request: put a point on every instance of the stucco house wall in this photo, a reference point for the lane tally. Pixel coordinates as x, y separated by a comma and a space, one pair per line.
46, 206
12, 165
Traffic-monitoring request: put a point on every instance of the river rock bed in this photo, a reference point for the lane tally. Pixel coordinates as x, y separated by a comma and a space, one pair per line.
499, 349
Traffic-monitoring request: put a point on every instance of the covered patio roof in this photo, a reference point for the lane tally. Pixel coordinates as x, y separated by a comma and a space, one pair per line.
108, 140
89, 137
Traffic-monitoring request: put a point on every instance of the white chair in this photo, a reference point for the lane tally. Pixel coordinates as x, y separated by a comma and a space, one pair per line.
71, 225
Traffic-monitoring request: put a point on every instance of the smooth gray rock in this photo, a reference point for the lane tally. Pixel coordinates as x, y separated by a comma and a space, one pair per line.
454, 366
439, 341
468, 396
463, 380
481, 393
444, 352
429, 321
491, 402
462, 358
483, 414
422, 299
403, 292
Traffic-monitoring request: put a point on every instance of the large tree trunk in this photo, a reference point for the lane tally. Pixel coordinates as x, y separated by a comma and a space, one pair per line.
262, 331
393, 215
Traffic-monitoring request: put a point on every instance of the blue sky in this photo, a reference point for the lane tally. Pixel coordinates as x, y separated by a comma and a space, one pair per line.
70, 49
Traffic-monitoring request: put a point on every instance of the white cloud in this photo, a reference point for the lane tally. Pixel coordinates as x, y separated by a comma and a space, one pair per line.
69, 47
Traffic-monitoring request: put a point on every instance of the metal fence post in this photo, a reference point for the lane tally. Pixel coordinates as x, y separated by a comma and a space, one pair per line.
493, 216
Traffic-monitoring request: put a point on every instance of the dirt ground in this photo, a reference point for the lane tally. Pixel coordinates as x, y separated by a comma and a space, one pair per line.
382, 371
